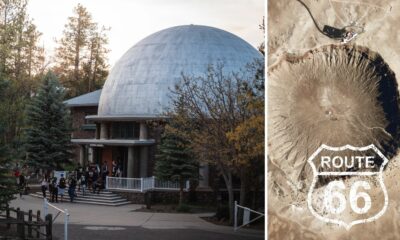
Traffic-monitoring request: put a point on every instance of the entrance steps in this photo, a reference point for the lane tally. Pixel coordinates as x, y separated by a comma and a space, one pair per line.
104, 198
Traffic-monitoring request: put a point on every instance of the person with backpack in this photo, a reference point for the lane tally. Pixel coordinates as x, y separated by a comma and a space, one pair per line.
61, 187
54, 190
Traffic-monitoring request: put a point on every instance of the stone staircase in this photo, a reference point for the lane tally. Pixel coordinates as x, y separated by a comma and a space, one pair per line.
105, 198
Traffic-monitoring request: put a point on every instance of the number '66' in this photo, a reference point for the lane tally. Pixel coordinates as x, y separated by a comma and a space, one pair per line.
331, 193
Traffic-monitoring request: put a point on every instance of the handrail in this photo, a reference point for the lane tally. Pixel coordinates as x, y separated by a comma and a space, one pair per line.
142, 184
235, 224
124, 178
51, 205
66, 215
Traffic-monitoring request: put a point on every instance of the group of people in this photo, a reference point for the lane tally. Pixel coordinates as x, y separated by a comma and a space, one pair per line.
57, 187
93, 178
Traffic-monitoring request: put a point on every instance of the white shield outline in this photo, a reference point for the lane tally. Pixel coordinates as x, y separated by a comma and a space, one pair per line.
380, 177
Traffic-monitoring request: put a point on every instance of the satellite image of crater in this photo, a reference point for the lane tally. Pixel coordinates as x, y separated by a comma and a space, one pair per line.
332, 80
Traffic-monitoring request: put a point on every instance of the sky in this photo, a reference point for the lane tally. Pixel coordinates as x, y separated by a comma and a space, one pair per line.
132, 20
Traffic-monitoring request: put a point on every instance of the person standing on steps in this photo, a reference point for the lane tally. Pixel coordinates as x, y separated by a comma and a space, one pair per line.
71, 188
114, 168
104, 172
83, 184
54, 190
45, 186
79, 173
104, 168
99, 185
95, 179
61, 187
89, 178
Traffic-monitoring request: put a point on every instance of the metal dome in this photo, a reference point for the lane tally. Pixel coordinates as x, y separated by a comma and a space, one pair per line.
140, 82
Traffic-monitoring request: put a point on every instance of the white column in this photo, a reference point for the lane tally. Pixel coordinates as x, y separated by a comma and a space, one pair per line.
103, 131
143, 161
90, 154
130, 162
81, 154
204, 175
143, 131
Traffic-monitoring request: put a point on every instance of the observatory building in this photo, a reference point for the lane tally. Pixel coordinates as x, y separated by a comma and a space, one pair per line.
115, 123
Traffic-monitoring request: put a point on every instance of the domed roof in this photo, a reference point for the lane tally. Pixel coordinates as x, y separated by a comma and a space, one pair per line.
139, 84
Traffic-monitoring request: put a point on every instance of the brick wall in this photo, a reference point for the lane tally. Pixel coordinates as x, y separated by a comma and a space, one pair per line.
78, 115
78, 120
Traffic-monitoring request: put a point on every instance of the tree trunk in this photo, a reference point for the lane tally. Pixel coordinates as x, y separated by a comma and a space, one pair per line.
96, 53
94, 72
181, 183
90, 73
243, 186
229, 186
243, 190
77, 53
231, 200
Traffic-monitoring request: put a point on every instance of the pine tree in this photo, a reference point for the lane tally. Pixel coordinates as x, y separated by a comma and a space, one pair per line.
48, 136
82, 54
7, 181
174, 160
95, 67
21, 61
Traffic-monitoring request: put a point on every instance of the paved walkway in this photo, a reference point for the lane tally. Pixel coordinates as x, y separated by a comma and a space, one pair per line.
80, 232
126, 218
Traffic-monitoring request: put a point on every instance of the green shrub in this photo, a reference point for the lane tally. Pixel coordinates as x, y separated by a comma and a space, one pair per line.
222, 212
183, 208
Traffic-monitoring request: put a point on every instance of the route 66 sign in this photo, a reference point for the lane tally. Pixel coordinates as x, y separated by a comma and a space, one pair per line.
347, 187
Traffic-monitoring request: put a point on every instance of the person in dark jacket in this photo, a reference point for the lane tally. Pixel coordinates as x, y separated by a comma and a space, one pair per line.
54, 190
99, 185
21, 185
95, 179
71, 189
61, 186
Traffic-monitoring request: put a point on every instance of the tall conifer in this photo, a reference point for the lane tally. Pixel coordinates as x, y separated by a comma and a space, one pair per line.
49, 133
174, 160
7, 181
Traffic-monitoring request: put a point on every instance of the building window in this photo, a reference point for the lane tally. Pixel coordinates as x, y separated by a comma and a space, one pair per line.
88, 126
125, 130
88, 114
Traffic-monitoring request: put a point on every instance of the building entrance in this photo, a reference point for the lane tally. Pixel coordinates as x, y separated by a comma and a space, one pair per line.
120, 156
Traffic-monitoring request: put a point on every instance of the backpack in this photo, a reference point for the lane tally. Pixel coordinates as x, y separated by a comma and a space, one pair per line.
62, 183
73, 183
53, 184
